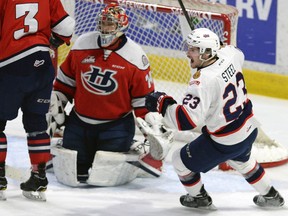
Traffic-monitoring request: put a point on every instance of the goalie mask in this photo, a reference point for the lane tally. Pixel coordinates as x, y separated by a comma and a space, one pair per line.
206, 40
112, 21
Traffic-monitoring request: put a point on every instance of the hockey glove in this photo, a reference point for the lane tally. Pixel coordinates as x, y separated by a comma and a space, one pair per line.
55, 41
158, 102
56, 115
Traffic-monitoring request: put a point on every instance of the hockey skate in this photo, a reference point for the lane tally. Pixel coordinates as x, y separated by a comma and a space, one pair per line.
3, 182
271, 199
201, 201
34, 188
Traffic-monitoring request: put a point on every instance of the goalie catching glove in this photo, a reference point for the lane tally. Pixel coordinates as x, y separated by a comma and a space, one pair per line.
160, 139
158, 102
56, 115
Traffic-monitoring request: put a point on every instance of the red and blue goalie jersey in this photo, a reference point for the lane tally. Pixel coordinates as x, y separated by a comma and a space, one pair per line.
105, 85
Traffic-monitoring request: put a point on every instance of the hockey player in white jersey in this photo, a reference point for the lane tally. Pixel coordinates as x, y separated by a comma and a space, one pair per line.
217, 98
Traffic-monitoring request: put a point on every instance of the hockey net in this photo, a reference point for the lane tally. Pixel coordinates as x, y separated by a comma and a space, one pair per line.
160, 27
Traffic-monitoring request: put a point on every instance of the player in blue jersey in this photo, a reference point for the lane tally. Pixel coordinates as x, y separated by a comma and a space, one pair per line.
27, 28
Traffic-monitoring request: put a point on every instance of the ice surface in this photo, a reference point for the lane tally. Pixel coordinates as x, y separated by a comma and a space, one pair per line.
150, 196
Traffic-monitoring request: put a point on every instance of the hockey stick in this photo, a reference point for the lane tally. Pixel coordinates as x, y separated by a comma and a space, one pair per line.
186, 14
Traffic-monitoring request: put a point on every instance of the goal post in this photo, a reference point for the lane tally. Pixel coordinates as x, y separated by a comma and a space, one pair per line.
160, 27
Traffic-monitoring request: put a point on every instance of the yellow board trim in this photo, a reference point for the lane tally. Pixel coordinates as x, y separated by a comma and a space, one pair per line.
169, 69
267, 84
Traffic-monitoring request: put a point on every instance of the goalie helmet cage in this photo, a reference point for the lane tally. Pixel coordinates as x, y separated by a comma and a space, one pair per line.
160, 27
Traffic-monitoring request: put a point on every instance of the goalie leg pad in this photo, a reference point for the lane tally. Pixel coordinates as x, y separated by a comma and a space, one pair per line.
65, 165
112, 169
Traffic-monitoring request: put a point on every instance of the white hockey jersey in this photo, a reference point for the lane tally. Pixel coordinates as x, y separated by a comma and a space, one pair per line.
217, 98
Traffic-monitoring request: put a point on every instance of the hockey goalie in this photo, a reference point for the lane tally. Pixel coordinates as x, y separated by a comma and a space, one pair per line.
106, 75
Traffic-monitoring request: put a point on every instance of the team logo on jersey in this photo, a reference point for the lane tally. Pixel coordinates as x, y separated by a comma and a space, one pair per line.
38, 63
88, 60
197, 74
99, 82
145, 60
